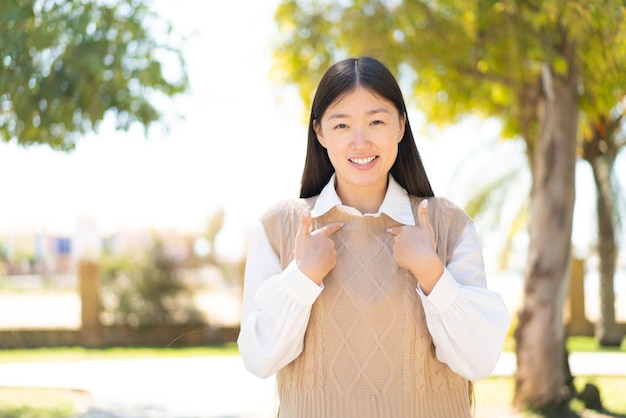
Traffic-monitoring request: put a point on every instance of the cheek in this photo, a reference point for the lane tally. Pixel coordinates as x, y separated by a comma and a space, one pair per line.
333, 154
393, 150
333, 146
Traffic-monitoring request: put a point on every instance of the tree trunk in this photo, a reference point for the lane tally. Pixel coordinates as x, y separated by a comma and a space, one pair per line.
608, 332
541, 377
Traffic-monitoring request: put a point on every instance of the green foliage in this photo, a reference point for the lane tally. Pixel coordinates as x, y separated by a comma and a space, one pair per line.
65, 64
481, 56
530, 64
146, 290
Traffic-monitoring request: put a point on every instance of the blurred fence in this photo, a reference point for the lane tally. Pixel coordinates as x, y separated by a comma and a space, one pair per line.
64, 310
65, 281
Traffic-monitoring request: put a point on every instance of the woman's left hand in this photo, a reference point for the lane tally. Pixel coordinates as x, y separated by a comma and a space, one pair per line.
414, 249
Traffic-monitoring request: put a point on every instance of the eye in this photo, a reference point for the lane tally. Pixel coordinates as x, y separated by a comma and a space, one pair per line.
340, 126
378, 122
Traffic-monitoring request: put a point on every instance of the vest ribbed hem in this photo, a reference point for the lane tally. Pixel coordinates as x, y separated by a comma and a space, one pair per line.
317, 404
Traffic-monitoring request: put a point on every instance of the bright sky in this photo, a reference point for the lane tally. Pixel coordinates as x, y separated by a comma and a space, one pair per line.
241, 145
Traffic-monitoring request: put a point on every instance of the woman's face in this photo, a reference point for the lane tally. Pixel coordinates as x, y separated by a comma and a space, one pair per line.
361, 132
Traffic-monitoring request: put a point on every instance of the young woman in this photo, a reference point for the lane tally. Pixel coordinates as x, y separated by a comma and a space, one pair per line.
367, 296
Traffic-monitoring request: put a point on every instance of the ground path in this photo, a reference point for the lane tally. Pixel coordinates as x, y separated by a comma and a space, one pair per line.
205, 387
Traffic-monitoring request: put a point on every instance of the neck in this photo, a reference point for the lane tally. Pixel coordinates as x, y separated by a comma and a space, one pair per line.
364, 199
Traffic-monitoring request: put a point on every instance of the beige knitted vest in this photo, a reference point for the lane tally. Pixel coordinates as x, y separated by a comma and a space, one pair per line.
367, 350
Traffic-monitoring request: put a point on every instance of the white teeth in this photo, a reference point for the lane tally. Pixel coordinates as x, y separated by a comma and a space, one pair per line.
362, 161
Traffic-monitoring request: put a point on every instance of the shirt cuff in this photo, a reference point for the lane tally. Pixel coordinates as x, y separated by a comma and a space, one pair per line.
442, 295
299, 286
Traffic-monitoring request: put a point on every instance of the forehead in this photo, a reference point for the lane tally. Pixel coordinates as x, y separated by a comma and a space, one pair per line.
360, 99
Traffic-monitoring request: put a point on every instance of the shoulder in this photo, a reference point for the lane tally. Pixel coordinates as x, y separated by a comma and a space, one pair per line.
441, 206
284, 215
448, 207
281, 222
285, 209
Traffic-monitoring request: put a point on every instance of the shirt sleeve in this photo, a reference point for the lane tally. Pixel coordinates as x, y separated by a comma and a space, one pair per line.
275, 310
467, 321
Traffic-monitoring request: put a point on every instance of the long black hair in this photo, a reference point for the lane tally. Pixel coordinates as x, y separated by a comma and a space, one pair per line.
340, 79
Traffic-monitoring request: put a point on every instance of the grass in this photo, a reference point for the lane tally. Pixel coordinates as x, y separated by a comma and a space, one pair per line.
42, 402
496, 394
574, 344
589, 344
577, 344
81, 353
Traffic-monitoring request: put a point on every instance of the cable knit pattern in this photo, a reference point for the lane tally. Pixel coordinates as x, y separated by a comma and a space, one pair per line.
367, 350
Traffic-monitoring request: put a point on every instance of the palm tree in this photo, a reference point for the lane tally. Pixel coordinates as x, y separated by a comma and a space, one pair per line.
501, 199
603, 141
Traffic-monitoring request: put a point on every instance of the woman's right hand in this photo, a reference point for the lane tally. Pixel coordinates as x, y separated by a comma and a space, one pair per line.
315, 252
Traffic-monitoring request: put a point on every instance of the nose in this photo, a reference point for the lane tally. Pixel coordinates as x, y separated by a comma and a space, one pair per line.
360, 139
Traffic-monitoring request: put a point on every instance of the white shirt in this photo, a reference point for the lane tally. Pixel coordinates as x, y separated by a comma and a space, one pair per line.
468, 323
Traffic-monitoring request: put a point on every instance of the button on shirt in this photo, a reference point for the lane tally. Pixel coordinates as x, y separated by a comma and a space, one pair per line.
468, 322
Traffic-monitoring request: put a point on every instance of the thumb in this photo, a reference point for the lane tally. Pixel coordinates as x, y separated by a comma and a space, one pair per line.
305, 222
422, 213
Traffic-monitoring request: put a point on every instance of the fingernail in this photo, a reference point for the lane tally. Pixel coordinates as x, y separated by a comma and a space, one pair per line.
424, 203
305, 213
388, 229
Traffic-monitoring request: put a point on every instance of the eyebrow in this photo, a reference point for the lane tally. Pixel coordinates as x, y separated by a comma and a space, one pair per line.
371, 112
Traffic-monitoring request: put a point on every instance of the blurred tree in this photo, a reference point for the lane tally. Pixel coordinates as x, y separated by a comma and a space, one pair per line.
533, 64
603, 140
232, 270
499, 193
215, 223
64, 64
146, 290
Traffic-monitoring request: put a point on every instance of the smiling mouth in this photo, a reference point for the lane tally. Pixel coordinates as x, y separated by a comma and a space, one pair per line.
362, 161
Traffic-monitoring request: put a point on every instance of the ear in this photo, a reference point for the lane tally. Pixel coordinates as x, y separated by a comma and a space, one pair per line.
402, 126
318, 132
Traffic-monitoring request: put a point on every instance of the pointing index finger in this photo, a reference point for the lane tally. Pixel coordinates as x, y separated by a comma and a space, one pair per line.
422, 213
394, 230
331, 228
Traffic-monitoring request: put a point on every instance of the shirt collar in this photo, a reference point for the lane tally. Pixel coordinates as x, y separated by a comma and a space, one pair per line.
396, 203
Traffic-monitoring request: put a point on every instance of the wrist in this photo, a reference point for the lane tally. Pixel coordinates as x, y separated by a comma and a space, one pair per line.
309, 273
428, 277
